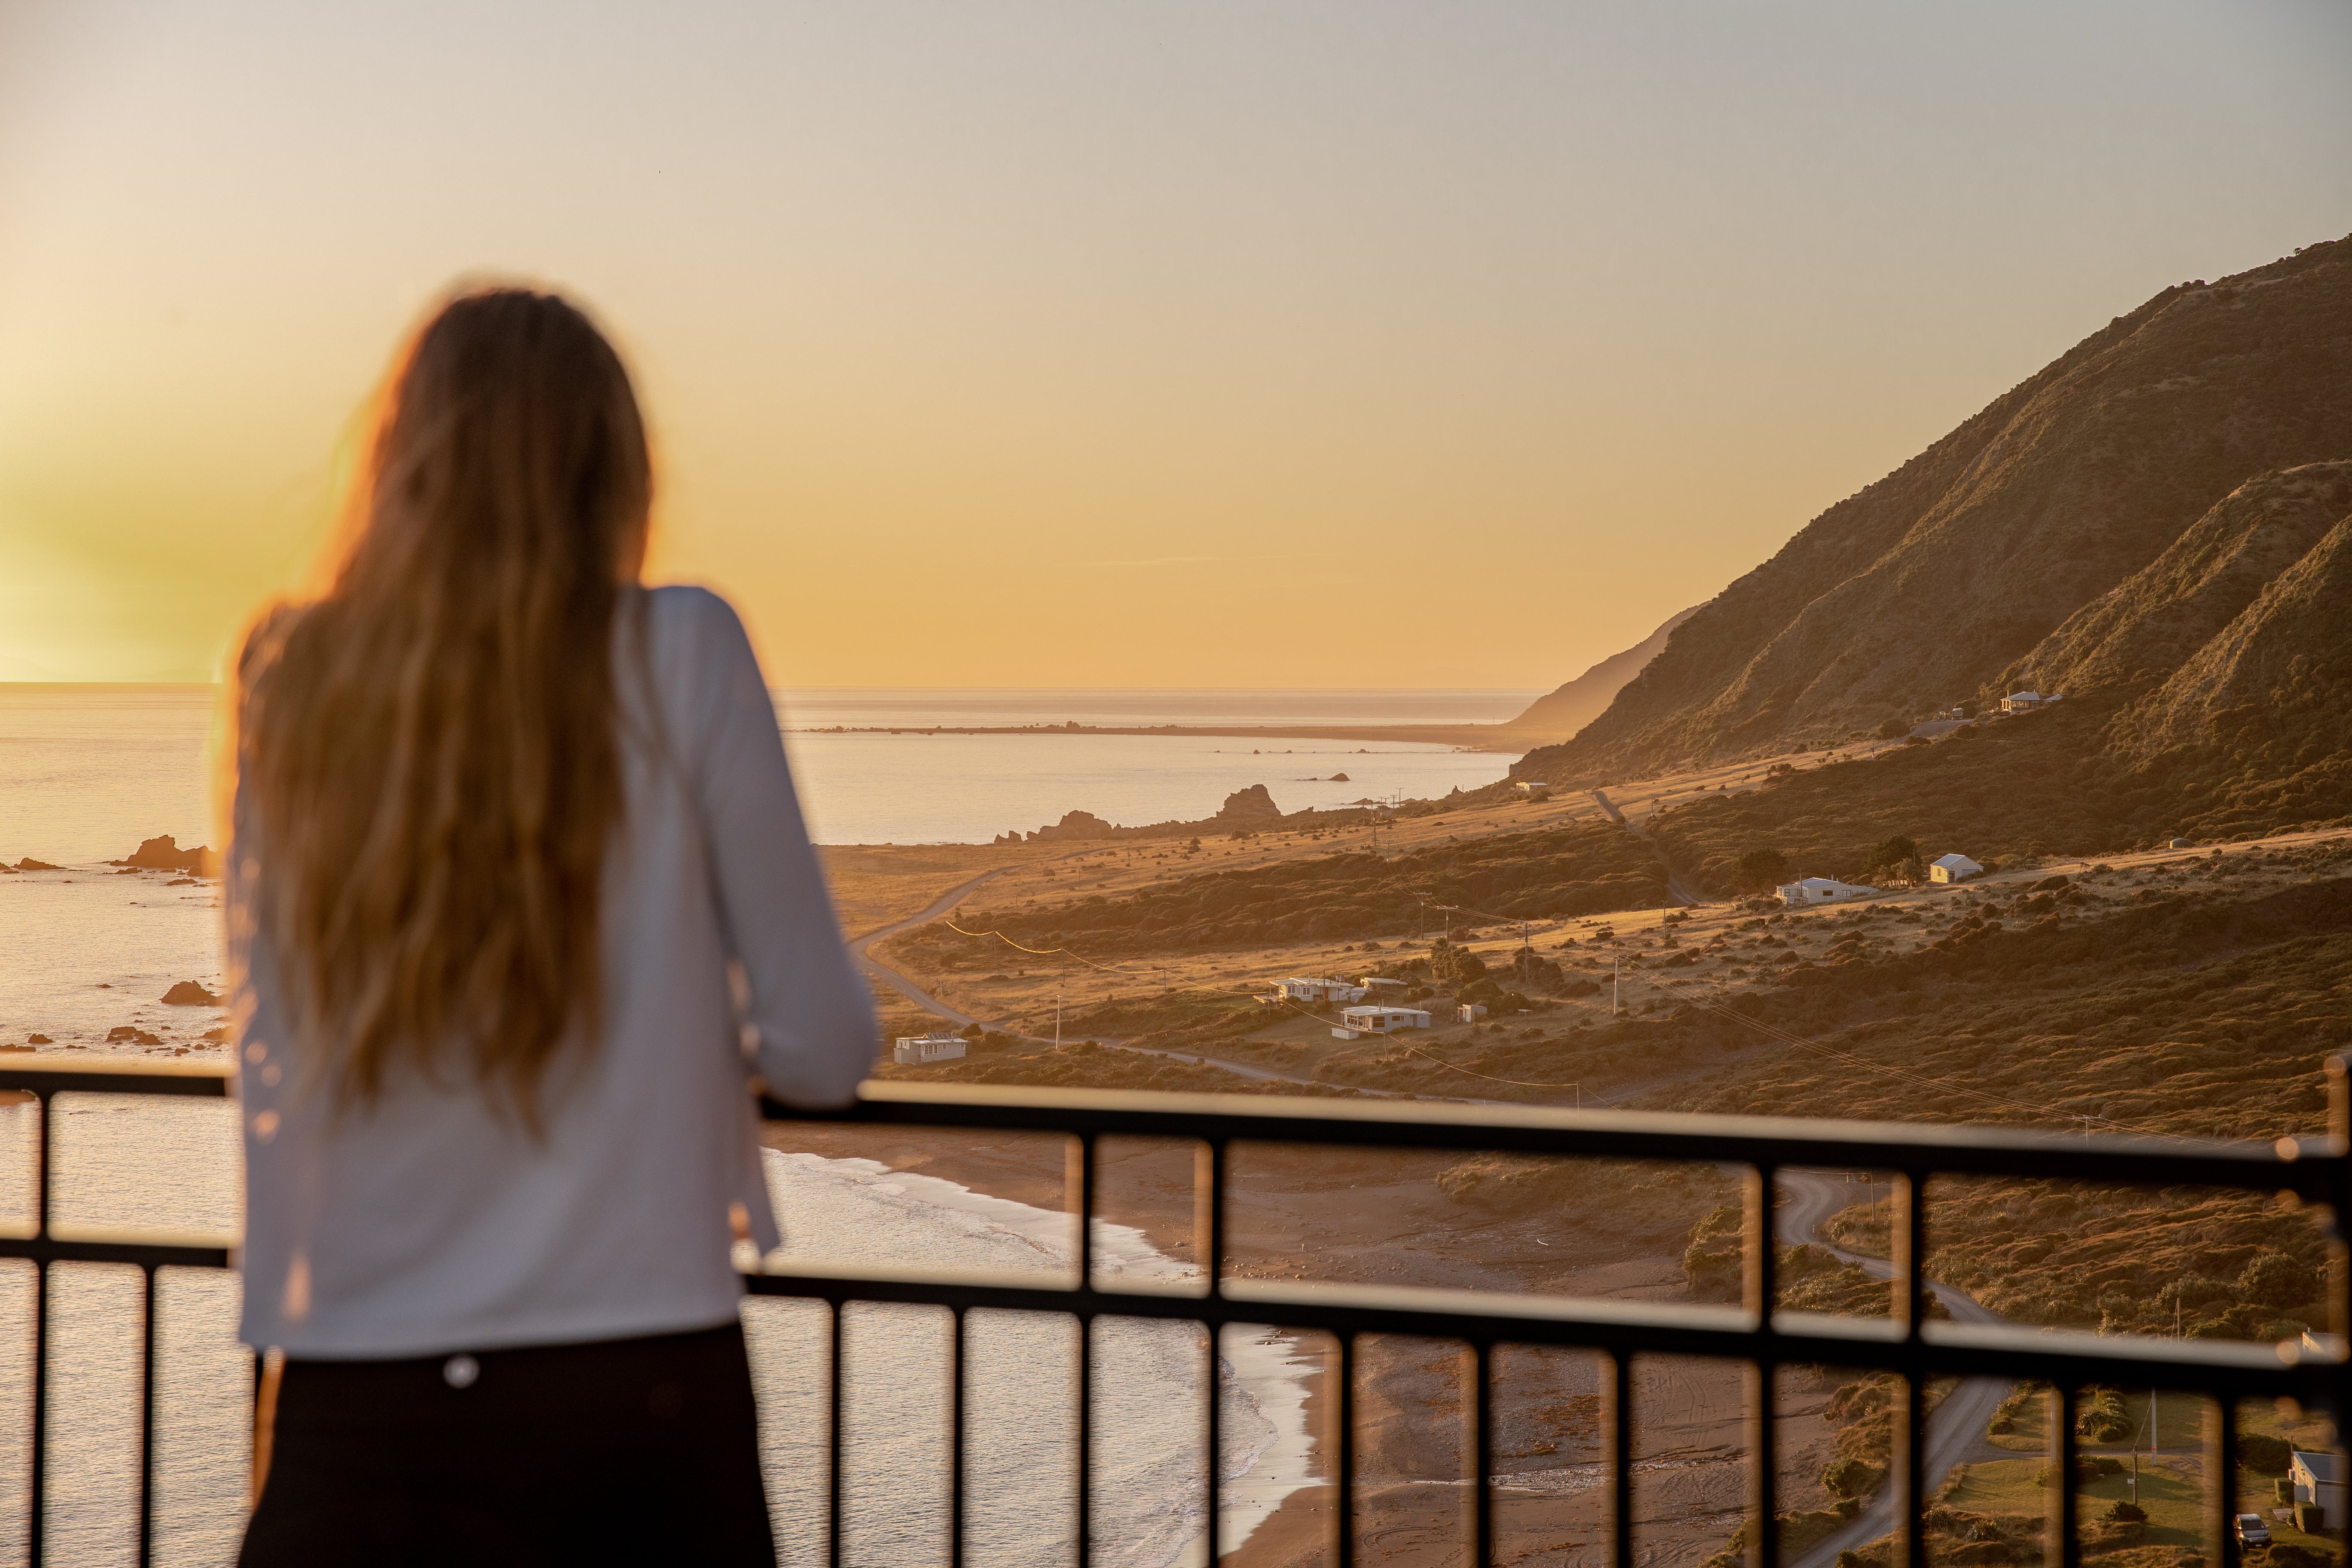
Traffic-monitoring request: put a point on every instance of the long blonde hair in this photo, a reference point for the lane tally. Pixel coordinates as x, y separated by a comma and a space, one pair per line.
429, 750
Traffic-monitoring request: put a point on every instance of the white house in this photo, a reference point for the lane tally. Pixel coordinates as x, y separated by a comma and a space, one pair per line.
1321, 990
1530, 789
1374, 985
1822, 890
1361, 1021
1953, 868
2317, 1478
2023, 701
917, 1049
1473, 1011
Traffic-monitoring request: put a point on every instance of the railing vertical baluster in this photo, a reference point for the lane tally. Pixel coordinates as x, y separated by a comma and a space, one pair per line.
1908, 1245
1082, 1175
1481, 1490
1763, 1463
2222, 1465
1617, 1419
955, 1438
36, 1503
1086, 1437
833, 1426
1762, 1292
147, 1422
1344, 1471
2067, 1547
1209, 1228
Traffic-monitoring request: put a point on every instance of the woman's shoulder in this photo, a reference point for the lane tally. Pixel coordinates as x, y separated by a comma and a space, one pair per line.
694, 644
683, 619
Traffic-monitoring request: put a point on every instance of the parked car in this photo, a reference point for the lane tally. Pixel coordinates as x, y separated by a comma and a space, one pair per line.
2251, 1531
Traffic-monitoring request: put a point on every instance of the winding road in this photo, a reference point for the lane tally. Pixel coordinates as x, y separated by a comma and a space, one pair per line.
1957, 1429
860, 950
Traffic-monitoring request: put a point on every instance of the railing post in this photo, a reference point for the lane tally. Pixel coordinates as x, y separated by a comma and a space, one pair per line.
955, 1437
2066, 1548
1080, 1178
1763, 1463
2221, 1467
1482, 1489
1617, 1426
1908, 1245
1209, 1229
37, 1501
1344, 1471
147, 1419
1763, 1293
833, 1428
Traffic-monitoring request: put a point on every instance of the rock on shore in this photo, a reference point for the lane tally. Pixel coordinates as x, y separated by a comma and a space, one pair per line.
165, 853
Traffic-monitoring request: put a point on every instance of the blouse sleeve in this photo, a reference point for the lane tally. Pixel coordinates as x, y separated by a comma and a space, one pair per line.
812, 1011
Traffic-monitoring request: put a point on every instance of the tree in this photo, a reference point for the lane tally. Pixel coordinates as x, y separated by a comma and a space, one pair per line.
1761, 869
2275, 1279
1894, 728
1893, 850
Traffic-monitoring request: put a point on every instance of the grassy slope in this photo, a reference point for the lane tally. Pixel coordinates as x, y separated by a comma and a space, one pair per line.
1577, 868
2021, 786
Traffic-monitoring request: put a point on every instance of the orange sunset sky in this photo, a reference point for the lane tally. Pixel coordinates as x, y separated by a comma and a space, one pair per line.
1353, 344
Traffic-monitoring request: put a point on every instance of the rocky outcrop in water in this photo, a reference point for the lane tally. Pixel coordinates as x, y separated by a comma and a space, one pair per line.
188, 994
1253, 802
165, 853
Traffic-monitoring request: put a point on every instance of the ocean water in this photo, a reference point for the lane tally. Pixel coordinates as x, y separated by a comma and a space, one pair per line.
88, 771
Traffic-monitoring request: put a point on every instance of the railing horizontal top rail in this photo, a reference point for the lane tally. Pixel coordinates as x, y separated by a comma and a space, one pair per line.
2305, 1167
59, 1072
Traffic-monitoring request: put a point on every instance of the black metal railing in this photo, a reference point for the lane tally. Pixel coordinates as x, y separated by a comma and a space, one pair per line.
1908, 1344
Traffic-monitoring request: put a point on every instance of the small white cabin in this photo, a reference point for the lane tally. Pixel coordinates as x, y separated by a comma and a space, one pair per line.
1822, 890
1375, 984
1473, 1011
1953, 868
2317, 1479
1530, 789
1357, 1022
1321, 990
2023, 701
916, 1050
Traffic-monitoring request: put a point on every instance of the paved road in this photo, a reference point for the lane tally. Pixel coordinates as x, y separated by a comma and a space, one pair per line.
1956, 1429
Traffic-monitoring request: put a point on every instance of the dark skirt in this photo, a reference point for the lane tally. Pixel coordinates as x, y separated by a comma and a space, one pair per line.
627, 1452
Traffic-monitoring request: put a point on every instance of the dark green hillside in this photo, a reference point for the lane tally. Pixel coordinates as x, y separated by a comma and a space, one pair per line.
1579, 869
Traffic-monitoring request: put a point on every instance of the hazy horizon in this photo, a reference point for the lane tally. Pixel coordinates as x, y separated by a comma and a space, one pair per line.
983, 345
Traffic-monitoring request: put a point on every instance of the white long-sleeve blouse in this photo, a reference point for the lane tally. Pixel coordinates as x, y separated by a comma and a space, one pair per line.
429, 1222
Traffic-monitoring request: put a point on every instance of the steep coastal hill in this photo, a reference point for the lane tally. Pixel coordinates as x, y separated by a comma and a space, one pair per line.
2154, 622
1559, 715
1932, 584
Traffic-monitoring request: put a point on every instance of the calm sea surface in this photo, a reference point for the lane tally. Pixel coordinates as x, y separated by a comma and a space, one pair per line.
87, 773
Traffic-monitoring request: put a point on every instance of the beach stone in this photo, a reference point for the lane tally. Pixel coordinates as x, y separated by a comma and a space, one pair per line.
137, 1037
188, 994
36, 1039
